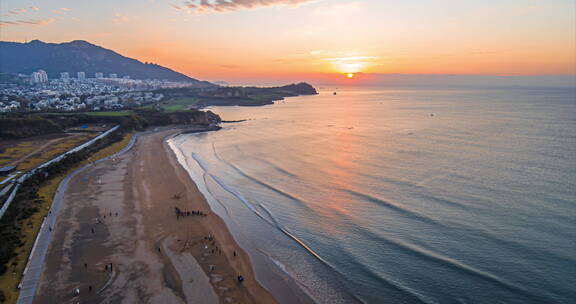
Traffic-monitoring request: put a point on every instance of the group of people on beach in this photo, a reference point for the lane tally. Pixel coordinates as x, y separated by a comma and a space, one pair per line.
186, 213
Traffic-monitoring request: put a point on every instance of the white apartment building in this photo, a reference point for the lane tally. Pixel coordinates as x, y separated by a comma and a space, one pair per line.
39, 77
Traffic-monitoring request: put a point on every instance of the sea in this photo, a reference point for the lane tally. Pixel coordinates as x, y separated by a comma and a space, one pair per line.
400, 195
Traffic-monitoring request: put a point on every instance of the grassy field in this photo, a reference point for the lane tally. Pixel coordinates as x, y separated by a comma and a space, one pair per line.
171, 105
110, 113
10, 280
176, 104
28, 154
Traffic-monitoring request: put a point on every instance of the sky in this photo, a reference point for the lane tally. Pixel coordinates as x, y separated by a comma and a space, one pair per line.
290, 40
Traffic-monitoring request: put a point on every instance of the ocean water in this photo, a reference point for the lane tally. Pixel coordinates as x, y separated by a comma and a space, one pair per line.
396, 195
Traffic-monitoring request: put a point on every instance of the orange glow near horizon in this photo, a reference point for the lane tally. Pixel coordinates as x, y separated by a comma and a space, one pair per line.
310, 41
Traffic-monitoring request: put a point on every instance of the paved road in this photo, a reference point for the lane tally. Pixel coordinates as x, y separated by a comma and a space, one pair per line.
5, 190
33, 270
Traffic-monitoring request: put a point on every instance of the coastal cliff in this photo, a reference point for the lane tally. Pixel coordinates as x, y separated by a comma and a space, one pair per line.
25, 125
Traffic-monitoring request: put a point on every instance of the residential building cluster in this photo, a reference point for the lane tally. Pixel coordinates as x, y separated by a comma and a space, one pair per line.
81, 93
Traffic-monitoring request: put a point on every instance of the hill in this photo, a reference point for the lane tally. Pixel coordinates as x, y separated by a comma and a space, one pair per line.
77, 56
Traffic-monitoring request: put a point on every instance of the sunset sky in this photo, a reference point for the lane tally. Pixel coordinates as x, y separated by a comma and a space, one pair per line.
294, 39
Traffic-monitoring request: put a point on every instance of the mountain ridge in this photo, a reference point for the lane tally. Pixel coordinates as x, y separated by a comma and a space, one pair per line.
78, 56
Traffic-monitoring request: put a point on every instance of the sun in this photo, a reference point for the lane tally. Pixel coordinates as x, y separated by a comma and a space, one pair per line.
350, 75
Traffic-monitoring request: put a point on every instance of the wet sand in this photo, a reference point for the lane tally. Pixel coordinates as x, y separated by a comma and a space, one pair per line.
118, 238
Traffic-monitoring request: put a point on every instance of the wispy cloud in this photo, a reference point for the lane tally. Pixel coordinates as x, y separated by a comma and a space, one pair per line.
36, 22
339, 61
61, 11
21, 11
176, 6
17, 11
25, 16
352, 64
234, 5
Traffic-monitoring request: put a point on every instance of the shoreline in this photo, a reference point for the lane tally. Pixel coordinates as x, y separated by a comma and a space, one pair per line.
142, 236
271, 276
218, 225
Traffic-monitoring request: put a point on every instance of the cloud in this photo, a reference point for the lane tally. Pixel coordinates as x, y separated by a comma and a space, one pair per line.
17, 11
62, 10
36, 22
352, 64
24, 16
234, 5
21, 11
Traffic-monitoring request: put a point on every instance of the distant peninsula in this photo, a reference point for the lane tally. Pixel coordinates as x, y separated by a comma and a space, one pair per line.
238, 96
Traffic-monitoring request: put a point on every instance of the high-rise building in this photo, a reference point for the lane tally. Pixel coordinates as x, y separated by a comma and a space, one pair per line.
35, 77
39, 77
99, 75
81, 75
113, 76
64, 76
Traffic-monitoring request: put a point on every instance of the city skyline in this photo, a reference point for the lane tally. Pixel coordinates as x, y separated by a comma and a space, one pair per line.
331, 39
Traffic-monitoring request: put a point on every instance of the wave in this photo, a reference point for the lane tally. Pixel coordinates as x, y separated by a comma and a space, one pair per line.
448, 262
270, 219
263, 212
434, 256
223, 185
271, 164
395, 207
295, 199
276, 224
279, 169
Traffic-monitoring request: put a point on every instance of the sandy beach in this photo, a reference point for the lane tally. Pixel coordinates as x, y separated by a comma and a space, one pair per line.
119, 239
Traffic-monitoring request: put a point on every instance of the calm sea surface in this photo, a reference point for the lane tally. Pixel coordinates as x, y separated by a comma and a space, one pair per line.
401, 195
